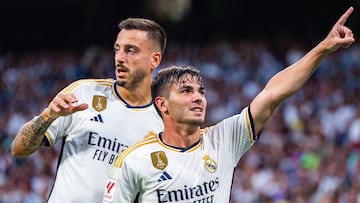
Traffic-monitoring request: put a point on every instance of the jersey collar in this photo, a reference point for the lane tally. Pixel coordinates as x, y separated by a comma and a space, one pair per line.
181, 149
117, 95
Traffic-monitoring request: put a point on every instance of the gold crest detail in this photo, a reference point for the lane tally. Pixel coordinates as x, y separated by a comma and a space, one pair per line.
159, 160
209, 164
99, 103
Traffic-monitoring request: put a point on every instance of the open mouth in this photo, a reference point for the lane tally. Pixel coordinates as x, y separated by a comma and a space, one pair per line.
197, 109
121, 71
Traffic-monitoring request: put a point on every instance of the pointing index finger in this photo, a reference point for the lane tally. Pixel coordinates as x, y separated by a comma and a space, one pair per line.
345, 16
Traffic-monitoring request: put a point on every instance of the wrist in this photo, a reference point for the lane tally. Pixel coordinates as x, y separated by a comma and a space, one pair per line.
46, 115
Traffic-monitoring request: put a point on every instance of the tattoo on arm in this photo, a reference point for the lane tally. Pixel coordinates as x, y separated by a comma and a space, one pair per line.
39, 126
33, 134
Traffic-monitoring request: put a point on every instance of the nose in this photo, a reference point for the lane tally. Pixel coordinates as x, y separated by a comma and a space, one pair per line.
119, 56
198, 98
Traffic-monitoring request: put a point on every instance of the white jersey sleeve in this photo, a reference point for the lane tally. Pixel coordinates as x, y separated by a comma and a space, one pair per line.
61, 126
124, 178
234, 134
125, 185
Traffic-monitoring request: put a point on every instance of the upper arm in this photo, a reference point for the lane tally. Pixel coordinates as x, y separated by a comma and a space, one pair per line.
262, 107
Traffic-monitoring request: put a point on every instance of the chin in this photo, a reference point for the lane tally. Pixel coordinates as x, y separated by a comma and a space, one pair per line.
197, 122
121, 83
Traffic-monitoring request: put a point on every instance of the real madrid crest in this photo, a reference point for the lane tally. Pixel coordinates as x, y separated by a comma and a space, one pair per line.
159, 159
99, 102
209, 164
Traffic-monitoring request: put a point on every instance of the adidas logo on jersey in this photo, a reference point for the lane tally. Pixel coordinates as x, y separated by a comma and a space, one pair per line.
164, 176
97, 118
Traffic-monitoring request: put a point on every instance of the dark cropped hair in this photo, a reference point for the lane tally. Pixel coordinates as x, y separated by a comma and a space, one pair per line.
153, 29
172, 75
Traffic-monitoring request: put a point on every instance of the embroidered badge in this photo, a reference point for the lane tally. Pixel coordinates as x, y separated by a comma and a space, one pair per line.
99, 102
159, 160
209, 164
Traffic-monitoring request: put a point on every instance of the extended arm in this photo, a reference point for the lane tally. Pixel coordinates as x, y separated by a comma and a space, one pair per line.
291, 79
31, 135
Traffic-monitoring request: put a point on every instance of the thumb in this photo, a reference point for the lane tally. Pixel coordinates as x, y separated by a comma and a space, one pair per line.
346, 42
80, 107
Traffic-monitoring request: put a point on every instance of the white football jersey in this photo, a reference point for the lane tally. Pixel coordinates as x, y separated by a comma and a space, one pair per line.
151, 171
93, 138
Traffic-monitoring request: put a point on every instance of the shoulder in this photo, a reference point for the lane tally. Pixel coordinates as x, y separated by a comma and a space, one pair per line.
87, 83
137, 151
242, 118
233, 124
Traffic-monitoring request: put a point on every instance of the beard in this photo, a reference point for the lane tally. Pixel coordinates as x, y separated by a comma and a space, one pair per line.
121, 83
135, 77
192, 121
196, 122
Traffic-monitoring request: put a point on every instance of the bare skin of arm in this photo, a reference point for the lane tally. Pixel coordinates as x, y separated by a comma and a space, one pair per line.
288, 81
31, 135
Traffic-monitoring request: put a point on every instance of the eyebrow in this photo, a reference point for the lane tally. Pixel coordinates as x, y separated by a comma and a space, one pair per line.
186, 86
182, 86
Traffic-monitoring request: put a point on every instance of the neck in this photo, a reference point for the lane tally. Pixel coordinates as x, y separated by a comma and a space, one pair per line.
138, 96
182, 137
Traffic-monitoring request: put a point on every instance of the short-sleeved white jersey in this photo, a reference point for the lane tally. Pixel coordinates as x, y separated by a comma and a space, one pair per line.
93, 138
153, 172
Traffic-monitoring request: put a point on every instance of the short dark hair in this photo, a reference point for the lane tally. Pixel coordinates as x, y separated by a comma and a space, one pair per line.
153, 29
172, 75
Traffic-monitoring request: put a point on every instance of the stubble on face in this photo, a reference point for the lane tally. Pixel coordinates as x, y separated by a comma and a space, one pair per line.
181, 116
136, 76
181, 112
135, 66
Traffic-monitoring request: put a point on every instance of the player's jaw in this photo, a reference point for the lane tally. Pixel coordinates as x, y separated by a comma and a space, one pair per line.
194, 115
130, 78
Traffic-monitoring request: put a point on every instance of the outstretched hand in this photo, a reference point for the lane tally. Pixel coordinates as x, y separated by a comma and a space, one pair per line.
340, 35
65, 104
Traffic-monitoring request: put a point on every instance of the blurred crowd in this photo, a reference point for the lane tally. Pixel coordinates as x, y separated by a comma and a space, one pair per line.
309, 151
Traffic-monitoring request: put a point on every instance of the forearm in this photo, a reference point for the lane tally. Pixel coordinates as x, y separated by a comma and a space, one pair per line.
30, 136
290, 80
284, 84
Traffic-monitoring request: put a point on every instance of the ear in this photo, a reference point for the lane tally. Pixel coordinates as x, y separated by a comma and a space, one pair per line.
155, 60
160, 103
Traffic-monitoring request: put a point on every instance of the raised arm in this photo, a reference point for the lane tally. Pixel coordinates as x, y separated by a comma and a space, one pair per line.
31, 135
288, 81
